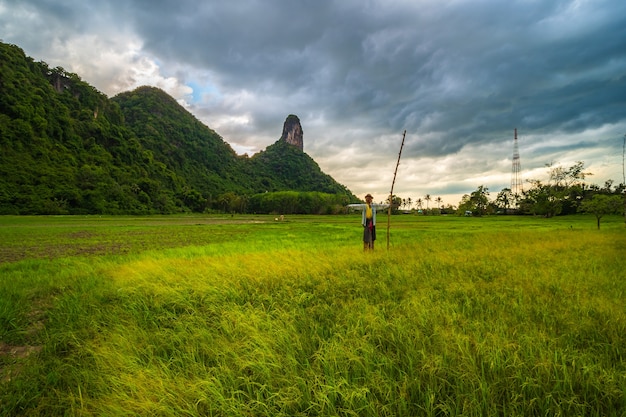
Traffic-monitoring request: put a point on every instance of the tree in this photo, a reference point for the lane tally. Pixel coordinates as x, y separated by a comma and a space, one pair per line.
540, 199
504, 199
229, 202
601, 204
465, 205
395, 203
475, 203
562, 193
194, 200
564, 178
480, 200
427, 198
449, 209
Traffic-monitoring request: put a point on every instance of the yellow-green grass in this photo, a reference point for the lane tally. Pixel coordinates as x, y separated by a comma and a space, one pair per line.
249, 316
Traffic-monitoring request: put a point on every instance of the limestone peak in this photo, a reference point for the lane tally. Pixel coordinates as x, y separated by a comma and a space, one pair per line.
292, 132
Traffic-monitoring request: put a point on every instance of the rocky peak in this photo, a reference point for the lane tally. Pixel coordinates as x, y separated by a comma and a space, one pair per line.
292, 132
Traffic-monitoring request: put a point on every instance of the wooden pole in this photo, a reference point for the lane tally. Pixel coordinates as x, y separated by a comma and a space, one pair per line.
391, 192
624, 175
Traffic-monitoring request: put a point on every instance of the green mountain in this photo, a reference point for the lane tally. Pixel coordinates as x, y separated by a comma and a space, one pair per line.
292, 169
66, 148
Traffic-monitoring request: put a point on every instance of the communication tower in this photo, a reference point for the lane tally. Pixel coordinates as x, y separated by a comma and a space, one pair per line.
516, 176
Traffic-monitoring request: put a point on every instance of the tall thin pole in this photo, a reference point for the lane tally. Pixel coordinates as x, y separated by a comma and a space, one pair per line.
623, 159
391, 192
624, 175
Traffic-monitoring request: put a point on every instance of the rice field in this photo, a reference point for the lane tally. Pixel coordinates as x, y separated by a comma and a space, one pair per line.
249, 316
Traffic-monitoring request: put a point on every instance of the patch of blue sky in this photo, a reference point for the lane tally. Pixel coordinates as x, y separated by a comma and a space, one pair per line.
203, 92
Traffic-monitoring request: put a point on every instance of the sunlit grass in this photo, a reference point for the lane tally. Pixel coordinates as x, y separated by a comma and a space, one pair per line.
457, 318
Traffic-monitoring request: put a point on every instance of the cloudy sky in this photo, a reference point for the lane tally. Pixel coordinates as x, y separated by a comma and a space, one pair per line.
459, 76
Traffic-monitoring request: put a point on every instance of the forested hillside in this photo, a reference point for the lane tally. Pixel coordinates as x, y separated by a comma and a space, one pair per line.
66, 148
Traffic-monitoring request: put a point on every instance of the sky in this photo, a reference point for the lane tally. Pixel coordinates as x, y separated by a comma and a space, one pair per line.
459, 76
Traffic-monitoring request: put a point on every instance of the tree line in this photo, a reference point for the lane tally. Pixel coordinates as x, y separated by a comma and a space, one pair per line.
280, 202
564, 192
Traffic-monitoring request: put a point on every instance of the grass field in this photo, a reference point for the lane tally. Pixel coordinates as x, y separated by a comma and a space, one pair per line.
247, 316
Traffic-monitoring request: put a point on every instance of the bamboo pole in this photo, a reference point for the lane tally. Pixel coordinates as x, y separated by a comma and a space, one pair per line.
391, 192
624, 175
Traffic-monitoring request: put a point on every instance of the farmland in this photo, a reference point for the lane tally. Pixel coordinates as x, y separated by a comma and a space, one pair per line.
246, 315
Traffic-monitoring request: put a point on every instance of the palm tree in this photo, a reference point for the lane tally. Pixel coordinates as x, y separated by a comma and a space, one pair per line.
427, 198
409, 202
418, 203
439, 200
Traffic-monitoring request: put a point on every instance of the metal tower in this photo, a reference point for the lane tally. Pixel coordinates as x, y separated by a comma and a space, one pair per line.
516, 179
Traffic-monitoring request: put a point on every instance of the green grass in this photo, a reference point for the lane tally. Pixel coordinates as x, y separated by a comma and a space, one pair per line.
243, 315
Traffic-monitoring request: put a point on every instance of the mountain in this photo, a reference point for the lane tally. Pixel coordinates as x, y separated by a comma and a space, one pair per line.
172, 135
66, 148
